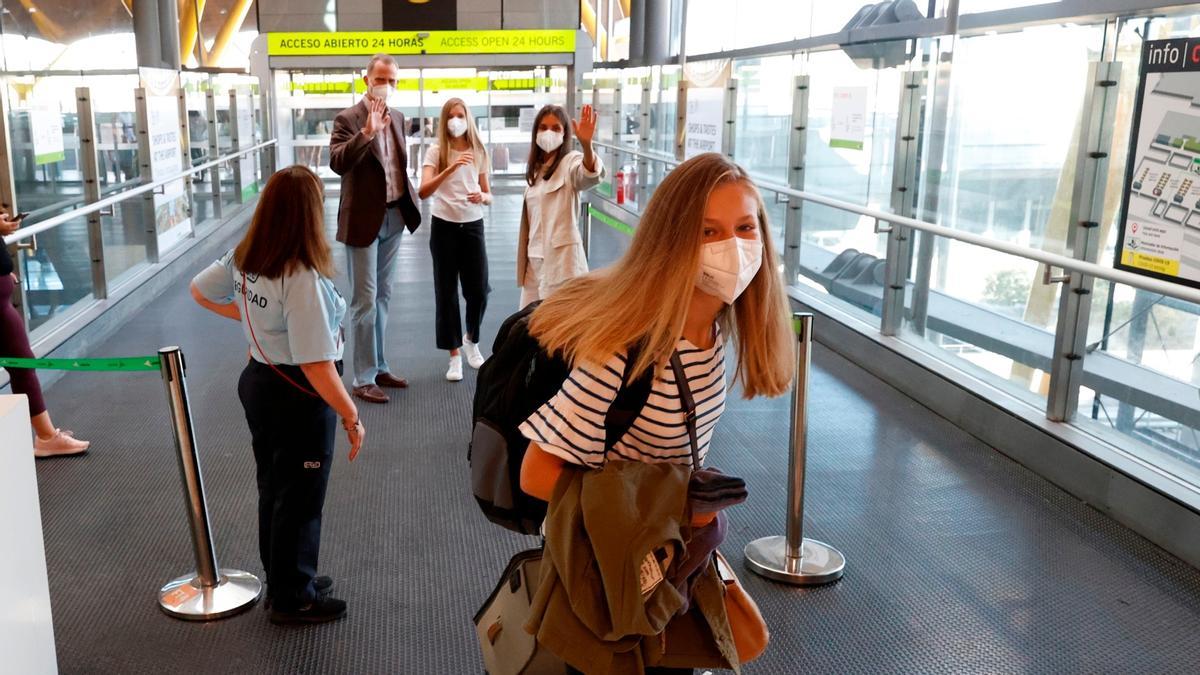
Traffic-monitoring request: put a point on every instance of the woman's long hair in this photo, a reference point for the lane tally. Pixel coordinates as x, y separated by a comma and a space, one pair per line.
537, 156
443, 137
287, 232
644, 297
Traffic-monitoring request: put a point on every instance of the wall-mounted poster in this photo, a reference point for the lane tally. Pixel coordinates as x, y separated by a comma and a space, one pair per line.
1160, 217
848, 121
46, 130
171, 220
705, 121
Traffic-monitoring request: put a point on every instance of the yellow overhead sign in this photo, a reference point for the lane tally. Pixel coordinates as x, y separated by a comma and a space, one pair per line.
366, 43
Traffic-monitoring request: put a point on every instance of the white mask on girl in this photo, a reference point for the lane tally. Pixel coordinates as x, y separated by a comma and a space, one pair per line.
548, 140
728, 266
457, 126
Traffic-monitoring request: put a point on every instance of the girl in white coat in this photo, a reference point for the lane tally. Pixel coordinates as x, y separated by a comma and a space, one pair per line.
550, 249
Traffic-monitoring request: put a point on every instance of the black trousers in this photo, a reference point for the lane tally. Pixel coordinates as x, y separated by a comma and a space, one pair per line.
459, 255
292, 433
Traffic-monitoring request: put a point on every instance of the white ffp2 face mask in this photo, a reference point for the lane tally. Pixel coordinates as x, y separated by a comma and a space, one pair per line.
380, 92
457, 126
549, 141
728, 266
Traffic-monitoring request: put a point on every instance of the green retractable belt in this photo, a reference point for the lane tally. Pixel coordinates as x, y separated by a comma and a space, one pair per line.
127, 363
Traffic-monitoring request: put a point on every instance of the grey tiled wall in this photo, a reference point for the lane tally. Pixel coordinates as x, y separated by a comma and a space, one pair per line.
291, 15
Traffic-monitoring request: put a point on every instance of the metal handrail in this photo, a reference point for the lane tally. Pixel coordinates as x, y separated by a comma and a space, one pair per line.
1053, 259
51, 223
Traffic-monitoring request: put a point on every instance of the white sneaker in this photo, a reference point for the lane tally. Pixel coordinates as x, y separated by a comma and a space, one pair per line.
454, 373
474, 358
62, 443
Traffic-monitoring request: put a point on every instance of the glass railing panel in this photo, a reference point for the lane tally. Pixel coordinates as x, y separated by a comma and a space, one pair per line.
764, 116
57, 276
989, 314
124, 232
1141, 376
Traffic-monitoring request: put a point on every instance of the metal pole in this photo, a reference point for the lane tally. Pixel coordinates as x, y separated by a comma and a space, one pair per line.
210, 592
214, 149
793, 559
89, 166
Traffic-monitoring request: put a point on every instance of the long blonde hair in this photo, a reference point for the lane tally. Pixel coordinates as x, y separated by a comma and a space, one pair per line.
443, 137
644, 297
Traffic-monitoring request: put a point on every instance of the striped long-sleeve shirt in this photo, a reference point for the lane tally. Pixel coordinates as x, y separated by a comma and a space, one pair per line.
571, 424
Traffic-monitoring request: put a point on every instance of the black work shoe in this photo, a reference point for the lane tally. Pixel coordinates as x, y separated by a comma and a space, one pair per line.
321, 610
321, 584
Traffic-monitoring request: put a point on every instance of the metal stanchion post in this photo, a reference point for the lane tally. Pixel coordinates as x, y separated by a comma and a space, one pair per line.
211, 592
793, 559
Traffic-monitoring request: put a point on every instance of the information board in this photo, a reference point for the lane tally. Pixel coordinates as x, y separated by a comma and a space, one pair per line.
848, 121
1159, 232
705, 121
46, 132
171, 220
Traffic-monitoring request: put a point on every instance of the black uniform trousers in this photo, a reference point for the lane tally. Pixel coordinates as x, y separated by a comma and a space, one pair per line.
292, 433
459, 254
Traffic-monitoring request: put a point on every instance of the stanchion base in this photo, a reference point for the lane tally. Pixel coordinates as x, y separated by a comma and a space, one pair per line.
819, 563
184, 598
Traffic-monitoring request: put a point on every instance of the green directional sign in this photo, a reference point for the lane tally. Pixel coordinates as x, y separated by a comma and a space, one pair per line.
126, 364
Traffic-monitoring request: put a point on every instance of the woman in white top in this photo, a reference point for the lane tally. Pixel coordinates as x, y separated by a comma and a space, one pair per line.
277, 283
455, 173
550, 250
700, 274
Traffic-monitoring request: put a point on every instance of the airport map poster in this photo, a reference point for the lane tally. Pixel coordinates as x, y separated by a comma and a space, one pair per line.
171, 219
1160, 218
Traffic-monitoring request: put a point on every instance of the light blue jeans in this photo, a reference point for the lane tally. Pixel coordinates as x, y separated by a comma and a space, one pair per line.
372, 269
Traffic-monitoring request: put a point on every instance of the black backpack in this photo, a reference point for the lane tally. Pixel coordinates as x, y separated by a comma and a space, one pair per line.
516, 380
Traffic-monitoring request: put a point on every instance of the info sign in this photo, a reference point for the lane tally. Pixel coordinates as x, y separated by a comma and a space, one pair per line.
1160, 217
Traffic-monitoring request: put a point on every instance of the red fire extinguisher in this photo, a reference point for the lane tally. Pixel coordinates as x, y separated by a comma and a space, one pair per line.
620, 186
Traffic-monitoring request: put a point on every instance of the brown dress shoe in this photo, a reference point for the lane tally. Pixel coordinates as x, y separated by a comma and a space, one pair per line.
390, 380
371, 394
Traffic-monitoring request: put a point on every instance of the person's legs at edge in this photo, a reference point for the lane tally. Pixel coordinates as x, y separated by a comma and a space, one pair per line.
533, 278
254, 402
473, 269
360, 263
385, 266
48, 441
443, 244
294, 437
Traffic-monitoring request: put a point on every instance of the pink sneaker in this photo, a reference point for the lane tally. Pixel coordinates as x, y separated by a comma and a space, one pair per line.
62, 443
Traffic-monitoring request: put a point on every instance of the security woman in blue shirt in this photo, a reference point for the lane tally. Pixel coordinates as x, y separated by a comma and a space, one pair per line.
277, 283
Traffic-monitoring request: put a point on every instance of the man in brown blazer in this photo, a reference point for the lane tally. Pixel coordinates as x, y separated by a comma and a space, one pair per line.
367, 150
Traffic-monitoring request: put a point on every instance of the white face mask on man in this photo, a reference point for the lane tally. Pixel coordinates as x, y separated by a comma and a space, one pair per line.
728, 266
457, 126
380, 92
548, 140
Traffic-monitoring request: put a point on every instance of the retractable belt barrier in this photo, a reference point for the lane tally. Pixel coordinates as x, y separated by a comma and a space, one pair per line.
792, 558
210, 592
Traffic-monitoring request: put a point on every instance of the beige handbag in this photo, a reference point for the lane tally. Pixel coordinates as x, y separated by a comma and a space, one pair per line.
750, 633
499, 623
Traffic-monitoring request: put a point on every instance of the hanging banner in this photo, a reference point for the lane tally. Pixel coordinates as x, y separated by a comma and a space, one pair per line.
848, 121
171, 220
705, 121
1160, 215
367, 43
245, 129
46, 131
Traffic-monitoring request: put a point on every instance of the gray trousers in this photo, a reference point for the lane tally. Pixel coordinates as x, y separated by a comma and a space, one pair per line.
372, 269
